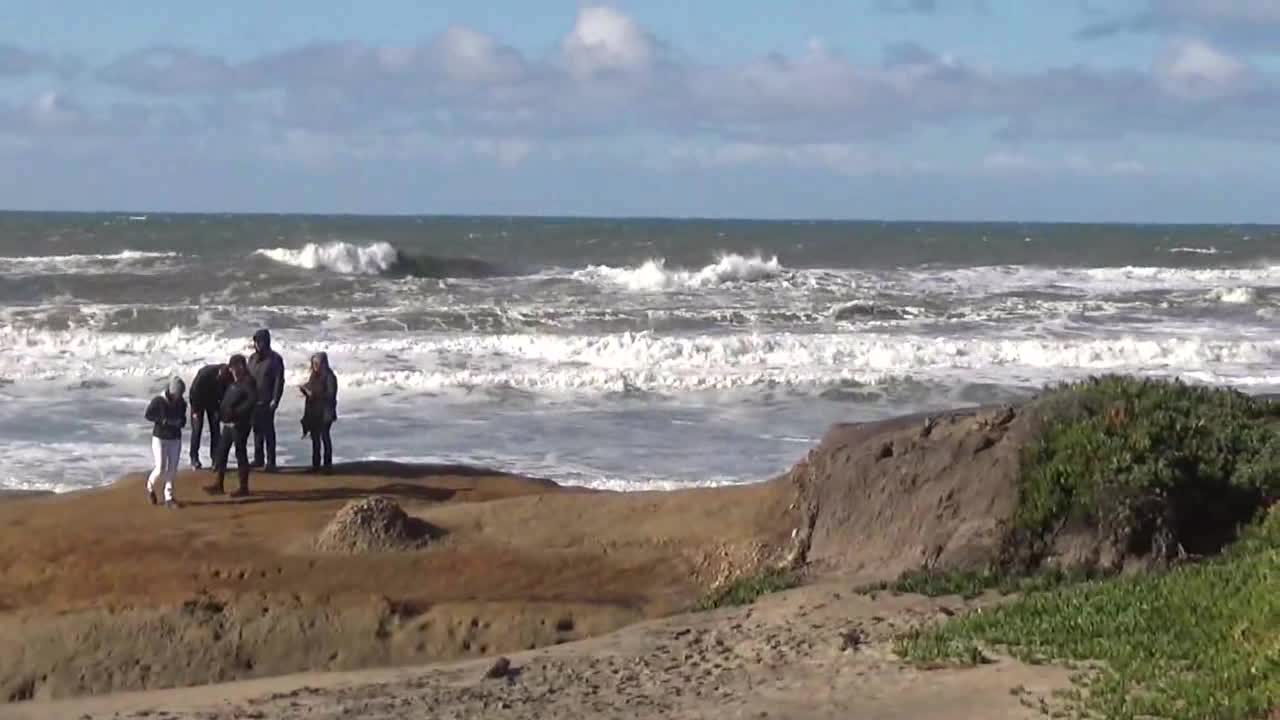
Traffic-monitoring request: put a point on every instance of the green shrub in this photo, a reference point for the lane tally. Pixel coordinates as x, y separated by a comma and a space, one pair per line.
745, 590
1157, 466
970, 584
1199, 642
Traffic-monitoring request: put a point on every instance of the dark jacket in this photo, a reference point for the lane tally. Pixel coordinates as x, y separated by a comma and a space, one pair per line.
321, 405
267, 370
168, 416
238, 403
208, 387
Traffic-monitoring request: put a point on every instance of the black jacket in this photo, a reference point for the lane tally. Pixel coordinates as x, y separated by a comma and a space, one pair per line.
168, 417
208, 387
321, 406
238, 403
267, 370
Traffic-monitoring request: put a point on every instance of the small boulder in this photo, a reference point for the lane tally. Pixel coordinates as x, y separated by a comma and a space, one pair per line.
500, 669
373, 524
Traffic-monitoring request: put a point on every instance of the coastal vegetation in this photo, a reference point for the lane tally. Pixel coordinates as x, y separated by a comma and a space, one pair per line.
746, 590
1175, 476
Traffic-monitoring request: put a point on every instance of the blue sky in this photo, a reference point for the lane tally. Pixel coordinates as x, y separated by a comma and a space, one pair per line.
1123, 110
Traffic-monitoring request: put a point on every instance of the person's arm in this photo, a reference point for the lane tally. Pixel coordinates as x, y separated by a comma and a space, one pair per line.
250, 397
155, 410
331, 389
278, 392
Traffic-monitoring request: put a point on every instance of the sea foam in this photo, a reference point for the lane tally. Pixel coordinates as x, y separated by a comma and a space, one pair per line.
607, 363
654, 275
339, 257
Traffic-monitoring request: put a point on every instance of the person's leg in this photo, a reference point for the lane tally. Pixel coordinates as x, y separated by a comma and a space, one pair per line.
220, 460
242, 459
215, 433
259, 434
315, 448
197, 434
157, 456
327, 437
172, 452
269, 430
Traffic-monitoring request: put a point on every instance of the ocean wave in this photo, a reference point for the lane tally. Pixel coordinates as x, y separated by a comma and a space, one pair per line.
654, 275
647, 361
1234, 295
86, 264
340, 257
379, 258
1211, 250
1096, 281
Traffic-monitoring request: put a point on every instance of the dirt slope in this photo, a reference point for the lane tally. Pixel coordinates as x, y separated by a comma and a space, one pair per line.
99, 591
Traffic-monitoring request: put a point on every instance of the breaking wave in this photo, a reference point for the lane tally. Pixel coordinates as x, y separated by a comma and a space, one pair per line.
340, 257
649, 361
379, 258
654, 275
1235, 295
85, 264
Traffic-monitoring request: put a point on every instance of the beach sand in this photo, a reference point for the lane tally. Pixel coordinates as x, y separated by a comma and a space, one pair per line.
225, 601
819, 651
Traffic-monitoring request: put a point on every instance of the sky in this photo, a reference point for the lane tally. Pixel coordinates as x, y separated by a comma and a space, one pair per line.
1055, 110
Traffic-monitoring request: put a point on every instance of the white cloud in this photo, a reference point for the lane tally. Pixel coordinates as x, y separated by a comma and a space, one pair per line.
1004, 161
1193, 69
1244, 11
51, 110
611, 80
1244, 24
603, 39
1012, 163
470, 56
847, 159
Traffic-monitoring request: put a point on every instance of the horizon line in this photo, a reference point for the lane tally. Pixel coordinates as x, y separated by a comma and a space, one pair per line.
625, 217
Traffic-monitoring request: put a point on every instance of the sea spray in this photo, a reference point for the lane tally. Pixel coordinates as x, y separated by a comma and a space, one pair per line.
339, 257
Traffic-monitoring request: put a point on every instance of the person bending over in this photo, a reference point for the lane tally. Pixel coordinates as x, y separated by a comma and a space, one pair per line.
267, 368
207, 389
236, 413
320, 410
168, 414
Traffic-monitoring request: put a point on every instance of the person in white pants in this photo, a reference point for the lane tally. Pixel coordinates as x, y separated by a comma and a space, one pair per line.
168, 415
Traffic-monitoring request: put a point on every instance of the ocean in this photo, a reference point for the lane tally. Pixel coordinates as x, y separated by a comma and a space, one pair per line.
626, 354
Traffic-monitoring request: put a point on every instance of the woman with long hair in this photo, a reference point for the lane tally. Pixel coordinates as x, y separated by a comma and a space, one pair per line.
320, 410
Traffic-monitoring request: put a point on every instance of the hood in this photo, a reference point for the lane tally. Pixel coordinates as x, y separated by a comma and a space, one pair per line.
323, 357
262, 337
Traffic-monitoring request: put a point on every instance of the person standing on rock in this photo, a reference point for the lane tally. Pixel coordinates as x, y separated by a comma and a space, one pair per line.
320, 410
168, 414
207, 389
237, 413
267, 368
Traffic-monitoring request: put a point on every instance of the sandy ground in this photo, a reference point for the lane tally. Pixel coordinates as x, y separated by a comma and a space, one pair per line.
819, 651
110, 607
102, 592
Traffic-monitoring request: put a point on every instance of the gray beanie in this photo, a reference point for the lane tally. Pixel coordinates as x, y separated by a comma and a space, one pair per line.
176, 387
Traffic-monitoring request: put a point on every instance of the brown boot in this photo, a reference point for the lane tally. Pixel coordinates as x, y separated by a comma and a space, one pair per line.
242, 491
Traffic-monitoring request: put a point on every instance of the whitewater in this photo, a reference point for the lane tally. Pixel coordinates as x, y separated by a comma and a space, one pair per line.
622, 354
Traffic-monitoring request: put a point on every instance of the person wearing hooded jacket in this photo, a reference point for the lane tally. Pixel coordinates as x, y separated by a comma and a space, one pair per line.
320, 410
236, 413
267, 368
167, 413
205, 397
